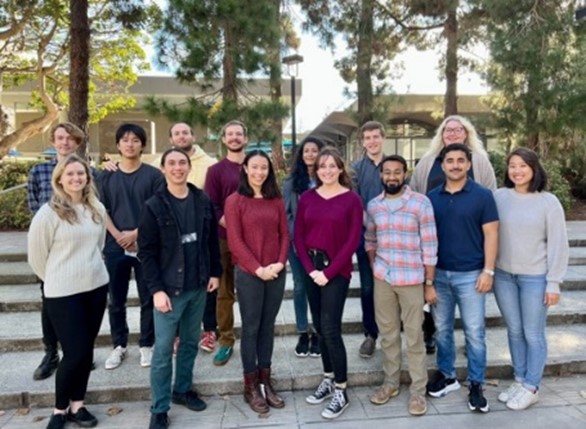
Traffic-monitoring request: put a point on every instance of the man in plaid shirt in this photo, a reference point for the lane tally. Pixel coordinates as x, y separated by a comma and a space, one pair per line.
65, 138
401, 243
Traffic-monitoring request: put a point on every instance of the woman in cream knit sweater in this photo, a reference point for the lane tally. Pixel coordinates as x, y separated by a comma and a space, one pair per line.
65, 244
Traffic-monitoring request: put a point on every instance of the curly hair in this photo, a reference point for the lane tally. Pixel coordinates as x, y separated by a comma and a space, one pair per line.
472, 140
61, 202
299, 172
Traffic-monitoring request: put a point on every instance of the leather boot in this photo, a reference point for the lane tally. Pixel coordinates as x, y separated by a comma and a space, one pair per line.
48, 365
253, 395
274, 400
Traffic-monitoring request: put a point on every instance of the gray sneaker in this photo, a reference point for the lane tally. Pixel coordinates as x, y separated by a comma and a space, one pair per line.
116, 357
367, 347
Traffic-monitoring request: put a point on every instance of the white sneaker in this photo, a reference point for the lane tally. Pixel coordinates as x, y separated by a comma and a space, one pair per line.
510, 392
146, 355
523, 399
116, 357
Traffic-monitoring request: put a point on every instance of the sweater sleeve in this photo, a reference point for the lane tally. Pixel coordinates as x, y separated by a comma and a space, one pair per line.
234, 228
40, 240
558, 250
483, 171
212, 187
284, 237
418, 181
299, 234
355, 221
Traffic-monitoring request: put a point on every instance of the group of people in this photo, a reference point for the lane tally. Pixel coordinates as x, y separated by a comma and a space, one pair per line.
197, 232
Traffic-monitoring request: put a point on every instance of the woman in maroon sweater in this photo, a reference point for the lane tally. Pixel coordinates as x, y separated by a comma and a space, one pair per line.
258, 239
326, 234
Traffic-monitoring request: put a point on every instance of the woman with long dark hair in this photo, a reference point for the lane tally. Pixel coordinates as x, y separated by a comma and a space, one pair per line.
301, 179
258, 240
327, 232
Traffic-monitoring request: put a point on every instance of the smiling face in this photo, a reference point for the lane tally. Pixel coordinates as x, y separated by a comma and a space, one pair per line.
234, 138
63, 142
454, 132
520, 173
456, 165
129, 146
310, 153
372, 142
176, 168
257, 171
328, 171
182, 137
73, 179
393, 177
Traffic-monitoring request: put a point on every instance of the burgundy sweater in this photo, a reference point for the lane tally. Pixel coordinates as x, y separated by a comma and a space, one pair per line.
257, 231
221, 181
332, 225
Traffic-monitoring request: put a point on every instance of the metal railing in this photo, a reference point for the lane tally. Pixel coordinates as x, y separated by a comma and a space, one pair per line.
13, 188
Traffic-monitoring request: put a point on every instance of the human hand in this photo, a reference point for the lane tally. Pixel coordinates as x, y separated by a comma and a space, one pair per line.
319, 278
430, 294
551, 299
111, 166
484, 283
162, 302
213, 284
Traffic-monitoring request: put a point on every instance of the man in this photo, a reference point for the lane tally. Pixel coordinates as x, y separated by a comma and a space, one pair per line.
123, 193
401, 243
178, 244
65, 137
367, 183
467, 225
221, 181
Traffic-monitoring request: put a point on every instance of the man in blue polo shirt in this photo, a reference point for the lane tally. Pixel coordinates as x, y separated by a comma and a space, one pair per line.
467, 227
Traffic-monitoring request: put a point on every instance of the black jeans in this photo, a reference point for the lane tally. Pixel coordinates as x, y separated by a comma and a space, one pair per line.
119, 268
259, 303
210, 323
327, 306
76, 319
49, 335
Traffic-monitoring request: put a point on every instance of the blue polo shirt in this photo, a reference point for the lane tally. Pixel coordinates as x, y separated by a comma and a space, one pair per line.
459, 218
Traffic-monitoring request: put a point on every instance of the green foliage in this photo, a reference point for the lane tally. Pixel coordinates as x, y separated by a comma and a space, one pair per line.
14, 211
498, 161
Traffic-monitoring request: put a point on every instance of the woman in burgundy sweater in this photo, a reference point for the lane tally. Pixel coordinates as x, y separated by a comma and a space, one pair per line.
326, 234
258, 239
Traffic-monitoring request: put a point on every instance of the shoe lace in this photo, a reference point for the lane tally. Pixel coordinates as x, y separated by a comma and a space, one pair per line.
337, 401
324, 387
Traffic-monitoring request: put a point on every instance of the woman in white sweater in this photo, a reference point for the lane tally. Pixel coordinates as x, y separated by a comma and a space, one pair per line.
531, 263
65, 244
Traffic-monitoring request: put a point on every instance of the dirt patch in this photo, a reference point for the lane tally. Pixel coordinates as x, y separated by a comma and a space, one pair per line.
578, 210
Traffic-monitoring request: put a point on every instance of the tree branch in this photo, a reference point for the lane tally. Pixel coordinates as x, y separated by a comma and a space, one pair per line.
401, 22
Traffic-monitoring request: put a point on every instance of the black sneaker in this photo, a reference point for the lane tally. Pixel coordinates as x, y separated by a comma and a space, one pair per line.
430, 345
159, 421
326, 388
302, 347
476, 399
57, 421
441, 385
190, 400
337, 405
83, 418
48, 365
314, 350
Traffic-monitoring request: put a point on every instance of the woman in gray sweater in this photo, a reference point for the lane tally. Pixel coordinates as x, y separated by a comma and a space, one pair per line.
531, 263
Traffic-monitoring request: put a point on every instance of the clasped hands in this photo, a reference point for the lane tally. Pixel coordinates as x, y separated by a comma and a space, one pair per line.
270, 272
319, 278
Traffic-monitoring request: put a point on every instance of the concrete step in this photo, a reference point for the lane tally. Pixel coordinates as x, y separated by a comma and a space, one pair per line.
22, 330
130, 382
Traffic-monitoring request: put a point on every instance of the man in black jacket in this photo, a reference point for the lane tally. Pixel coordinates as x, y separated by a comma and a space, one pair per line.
179, 249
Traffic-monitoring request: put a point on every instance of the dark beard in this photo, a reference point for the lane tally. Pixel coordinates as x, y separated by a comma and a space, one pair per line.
393, 190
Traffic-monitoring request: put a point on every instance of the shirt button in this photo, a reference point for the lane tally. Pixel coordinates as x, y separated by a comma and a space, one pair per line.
180, 270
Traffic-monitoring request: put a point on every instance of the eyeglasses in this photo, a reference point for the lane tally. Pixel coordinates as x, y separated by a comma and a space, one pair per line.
458, 130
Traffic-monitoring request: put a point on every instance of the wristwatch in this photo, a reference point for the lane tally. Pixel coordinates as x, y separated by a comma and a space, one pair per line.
428, 282
489, 272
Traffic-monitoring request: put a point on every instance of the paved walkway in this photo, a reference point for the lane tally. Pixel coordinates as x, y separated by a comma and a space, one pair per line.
562, 405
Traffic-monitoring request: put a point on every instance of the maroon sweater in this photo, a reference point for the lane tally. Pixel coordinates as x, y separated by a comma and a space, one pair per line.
332, 225
257, 231
221, 181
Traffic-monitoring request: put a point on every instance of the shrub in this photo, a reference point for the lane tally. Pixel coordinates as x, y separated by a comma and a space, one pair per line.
14, 212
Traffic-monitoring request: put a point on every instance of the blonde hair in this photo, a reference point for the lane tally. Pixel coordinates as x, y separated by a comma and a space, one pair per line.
61, 202
472, 140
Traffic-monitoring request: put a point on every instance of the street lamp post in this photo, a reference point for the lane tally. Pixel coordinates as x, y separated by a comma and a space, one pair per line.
292, 62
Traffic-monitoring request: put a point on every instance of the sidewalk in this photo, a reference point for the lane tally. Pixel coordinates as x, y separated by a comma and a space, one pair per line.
562, 405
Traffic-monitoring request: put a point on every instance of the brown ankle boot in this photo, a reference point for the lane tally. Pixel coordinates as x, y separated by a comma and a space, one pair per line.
253, 395
274, 400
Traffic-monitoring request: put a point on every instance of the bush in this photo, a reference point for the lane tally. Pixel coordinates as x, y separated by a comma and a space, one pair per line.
14, 212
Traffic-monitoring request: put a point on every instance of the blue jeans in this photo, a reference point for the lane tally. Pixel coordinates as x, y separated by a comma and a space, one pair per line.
187, 313
459, 288
299, 291
520, 300
366, 292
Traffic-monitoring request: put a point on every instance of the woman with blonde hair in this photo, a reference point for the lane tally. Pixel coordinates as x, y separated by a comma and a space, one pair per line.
65, 244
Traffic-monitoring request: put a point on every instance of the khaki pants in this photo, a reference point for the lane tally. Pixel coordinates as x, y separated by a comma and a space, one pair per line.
226, 298
393, 304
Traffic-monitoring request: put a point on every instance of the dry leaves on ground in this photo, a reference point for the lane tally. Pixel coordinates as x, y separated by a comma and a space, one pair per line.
114, 410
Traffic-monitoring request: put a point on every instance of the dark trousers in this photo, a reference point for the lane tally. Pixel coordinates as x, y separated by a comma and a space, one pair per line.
210, 322
366, 292
76, 319
49, 335
327, 306
259, 303
119, 268
428, 326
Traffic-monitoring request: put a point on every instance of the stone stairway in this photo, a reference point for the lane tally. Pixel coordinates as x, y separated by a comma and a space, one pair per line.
21, 346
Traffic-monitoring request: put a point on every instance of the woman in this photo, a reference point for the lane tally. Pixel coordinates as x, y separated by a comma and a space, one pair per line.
327, 232
301, 179
258, 240
428, 174
531, 263
180, 254
65, 243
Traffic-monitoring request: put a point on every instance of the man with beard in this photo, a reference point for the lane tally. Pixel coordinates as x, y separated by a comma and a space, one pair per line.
467, 227
221, 181
401, 243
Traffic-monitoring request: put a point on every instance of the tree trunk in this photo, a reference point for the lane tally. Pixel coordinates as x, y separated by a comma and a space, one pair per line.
364, 59
275, 88
79, 68
229, 90
451, 71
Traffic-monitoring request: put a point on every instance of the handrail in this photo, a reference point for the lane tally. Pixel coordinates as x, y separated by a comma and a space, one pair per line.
14, 188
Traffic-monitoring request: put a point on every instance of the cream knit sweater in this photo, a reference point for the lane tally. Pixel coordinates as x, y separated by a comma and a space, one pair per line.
68, 258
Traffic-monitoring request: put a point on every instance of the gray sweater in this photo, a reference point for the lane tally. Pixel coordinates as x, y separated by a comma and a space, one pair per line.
532, 235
